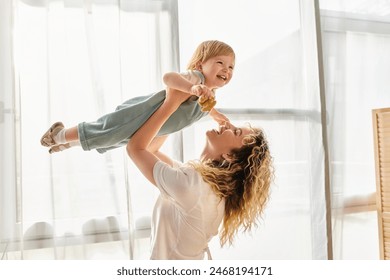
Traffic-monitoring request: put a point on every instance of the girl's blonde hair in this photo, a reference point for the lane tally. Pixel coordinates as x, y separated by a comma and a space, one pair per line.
207, 50
243, 182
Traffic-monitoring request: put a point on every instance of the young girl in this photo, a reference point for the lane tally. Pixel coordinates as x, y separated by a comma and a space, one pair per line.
211, 67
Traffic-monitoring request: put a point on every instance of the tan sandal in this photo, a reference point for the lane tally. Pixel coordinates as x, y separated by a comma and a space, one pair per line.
47, 140
59, 148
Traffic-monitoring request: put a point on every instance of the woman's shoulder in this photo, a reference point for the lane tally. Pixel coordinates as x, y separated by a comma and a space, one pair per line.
183, 172
188, 169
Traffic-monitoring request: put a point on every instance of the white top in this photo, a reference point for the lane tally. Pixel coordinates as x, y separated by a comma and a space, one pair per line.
194, 76
187, 213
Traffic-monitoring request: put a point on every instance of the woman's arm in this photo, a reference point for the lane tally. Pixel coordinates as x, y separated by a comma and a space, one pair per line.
139, 146
155, 146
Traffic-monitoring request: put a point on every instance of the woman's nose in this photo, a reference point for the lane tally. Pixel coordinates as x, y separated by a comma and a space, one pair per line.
226, 126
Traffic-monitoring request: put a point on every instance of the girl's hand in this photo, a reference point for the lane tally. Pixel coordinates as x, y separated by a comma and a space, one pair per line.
202, 91
220, 118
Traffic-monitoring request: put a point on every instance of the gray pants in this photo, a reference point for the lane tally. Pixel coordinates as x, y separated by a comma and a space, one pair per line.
114, 130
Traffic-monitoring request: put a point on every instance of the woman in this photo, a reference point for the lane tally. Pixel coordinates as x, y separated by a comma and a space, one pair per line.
229, 185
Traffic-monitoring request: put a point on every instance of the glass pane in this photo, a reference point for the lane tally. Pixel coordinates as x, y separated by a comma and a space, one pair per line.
356, 39
270, 77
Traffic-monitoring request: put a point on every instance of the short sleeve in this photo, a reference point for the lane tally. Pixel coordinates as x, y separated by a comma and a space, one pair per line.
175, 182
194, 76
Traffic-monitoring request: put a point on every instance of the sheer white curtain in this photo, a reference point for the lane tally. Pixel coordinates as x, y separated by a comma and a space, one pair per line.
73, 60
356, 43
9, 121
77, 60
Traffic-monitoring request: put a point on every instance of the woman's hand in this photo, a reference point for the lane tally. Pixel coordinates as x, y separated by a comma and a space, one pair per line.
176, 97
219, 117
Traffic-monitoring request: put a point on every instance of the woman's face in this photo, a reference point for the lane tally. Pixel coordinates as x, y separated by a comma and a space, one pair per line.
219, 143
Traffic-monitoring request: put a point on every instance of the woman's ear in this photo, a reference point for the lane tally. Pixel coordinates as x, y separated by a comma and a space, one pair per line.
199, 66
227, 157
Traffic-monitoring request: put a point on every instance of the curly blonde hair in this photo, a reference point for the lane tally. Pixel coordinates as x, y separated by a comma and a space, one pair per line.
244, 183
207, 50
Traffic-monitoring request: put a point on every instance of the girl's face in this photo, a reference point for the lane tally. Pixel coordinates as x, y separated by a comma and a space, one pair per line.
217, 71
228, 137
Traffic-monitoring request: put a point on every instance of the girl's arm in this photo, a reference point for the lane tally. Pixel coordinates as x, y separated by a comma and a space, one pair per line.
176, 81
139, 146
218, 116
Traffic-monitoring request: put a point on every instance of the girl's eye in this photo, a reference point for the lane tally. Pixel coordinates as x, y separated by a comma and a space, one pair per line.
220, 62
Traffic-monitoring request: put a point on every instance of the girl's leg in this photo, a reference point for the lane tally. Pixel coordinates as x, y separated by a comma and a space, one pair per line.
72, 134
110, 130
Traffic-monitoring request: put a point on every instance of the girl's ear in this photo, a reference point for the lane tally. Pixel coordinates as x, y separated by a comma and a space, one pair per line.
199, 66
